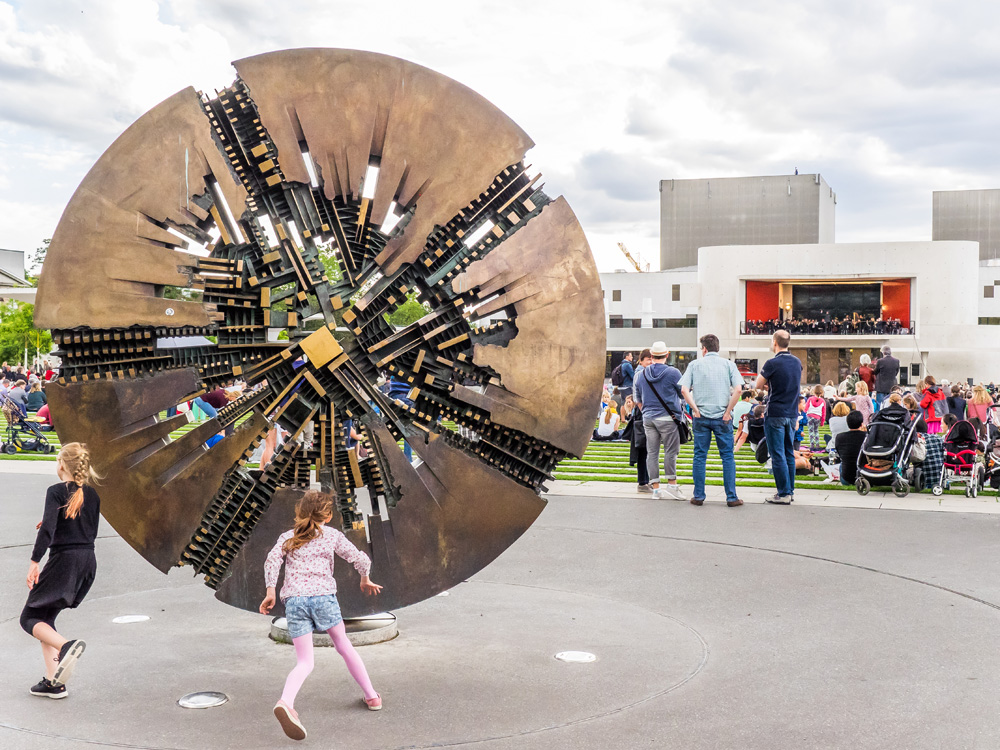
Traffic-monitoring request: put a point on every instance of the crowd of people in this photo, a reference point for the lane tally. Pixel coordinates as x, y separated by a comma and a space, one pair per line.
653, 406
22, 391
855, 325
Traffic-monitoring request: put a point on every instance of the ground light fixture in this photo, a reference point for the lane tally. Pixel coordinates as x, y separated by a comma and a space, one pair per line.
576, 657
206, 699
129, 619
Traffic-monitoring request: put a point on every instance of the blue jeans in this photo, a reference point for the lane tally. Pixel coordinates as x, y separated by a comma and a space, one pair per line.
780, 435
704, 428
210, 411
879, 398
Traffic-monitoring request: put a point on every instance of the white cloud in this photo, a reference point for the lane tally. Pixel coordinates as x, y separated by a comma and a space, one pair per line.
888, 101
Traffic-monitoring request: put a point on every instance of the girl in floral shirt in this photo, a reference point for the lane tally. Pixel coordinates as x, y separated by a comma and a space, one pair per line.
309, 594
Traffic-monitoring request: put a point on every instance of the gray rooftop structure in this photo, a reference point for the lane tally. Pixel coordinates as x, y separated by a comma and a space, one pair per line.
11, 267
968, 215
774, 210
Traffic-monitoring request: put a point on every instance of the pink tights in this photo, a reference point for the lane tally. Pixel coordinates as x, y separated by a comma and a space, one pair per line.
304, 655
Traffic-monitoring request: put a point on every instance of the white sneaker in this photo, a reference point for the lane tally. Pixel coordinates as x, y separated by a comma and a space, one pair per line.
673, 491
657, 493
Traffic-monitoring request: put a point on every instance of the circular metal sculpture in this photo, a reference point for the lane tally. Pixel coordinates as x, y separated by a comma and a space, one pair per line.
213, 215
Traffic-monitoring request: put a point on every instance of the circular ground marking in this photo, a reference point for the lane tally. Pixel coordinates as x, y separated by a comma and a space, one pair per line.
207, 699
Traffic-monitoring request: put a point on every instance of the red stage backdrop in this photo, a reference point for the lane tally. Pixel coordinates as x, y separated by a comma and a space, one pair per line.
896, 298
762, 300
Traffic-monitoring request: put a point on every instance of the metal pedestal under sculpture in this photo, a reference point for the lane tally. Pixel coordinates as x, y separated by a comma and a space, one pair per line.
212, 215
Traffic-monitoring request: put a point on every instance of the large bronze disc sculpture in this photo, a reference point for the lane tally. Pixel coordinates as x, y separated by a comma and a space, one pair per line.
416, 186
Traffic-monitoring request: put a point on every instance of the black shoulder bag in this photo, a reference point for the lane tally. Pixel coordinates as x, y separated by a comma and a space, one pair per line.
683, 427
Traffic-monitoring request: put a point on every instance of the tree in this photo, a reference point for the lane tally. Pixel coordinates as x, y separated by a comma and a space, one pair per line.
17, 331
409, 312
35, 262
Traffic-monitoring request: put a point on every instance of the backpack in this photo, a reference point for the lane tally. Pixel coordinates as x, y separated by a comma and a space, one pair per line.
940, 408
617, 378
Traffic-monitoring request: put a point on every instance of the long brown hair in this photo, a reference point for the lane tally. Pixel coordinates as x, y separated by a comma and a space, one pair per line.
311, 512
76, 459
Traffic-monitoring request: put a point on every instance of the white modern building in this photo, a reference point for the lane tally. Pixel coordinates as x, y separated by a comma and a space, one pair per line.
756, 249
939, 291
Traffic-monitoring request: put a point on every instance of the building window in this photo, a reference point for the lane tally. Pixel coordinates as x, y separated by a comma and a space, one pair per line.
690, 321
680, 359
812, 366
616, 321
675, 292
915, 369
844, 357
616, 295
989, 321
988, 291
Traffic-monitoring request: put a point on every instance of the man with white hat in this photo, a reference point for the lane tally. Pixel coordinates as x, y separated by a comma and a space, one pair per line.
658, 394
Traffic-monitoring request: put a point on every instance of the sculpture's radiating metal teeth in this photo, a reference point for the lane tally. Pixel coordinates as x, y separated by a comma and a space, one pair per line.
313, 198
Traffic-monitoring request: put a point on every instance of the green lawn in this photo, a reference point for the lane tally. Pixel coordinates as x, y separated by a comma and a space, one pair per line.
602, 462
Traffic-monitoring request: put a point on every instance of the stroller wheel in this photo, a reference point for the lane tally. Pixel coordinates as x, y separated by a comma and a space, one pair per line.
47, 448
10, 449
938, 490
863, 486
968, 490
901, 488
918, 479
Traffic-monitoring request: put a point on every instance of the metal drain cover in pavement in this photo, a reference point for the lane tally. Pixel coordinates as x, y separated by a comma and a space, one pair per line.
203, 700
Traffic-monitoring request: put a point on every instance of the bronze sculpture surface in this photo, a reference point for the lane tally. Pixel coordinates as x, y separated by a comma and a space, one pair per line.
415, 185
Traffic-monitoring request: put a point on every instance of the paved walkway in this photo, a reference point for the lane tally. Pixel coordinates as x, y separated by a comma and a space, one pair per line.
833, 498
760, 627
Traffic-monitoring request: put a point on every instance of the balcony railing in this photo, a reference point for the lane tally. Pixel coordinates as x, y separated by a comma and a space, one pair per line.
833, 328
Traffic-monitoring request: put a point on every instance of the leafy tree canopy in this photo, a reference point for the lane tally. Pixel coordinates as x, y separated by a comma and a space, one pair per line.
17, 330
408, 312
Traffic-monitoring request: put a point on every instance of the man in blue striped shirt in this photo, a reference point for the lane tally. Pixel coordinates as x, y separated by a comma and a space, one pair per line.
712, 386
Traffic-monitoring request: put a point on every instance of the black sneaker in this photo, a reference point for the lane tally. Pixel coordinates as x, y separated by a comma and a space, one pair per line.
46, 689
68, 656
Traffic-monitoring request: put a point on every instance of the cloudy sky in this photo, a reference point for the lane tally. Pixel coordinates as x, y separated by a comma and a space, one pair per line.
888, 101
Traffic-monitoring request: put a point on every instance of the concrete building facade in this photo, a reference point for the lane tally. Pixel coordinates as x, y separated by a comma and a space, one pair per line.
779, 209
941, 305
969, 215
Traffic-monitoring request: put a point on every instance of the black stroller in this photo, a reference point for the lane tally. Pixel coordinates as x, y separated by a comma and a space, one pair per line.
21, 434
885, 454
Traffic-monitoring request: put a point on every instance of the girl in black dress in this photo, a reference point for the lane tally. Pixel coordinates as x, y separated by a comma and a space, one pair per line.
67, 531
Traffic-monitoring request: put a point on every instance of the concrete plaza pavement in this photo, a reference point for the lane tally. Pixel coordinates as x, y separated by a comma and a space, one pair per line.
808, 626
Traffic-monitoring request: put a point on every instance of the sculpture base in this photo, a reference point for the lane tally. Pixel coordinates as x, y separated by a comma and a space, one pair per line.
363, 631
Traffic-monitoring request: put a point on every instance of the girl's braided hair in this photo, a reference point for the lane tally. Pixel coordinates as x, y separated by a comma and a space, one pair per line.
76, 459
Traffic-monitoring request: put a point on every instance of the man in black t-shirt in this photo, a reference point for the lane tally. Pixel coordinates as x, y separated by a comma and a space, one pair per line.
782, 376
848, 445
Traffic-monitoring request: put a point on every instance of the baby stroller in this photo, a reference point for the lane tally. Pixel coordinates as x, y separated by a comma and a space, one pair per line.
992, 457
885, 454
21, 435
963, 462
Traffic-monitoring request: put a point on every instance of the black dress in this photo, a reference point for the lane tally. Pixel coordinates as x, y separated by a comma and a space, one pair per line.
70, 570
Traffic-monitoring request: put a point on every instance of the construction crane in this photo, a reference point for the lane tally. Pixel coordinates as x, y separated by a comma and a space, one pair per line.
633, 261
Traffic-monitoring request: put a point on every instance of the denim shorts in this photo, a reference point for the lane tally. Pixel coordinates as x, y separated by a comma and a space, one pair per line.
307, 614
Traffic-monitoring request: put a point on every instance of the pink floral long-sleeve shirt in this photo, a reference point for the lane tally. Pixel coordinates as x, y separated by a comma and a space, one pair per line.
309, 569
